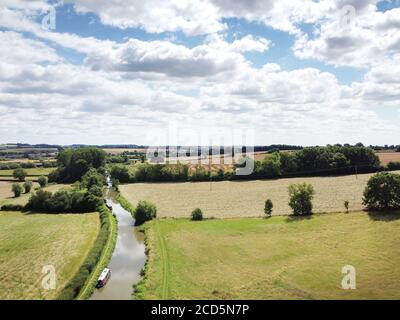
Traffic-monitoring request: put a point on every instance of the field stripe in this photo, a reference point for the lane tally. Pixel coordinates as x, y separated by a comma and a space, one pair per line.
165, 263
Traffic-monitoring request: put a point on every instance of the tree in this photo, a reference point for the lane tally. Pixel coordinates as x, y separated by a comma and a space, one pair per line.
197, 214
145, 211
301, 196
346, 205
121, 173
39, 201
28, 186
42, 180
92, 178
382, 191
16, 189
268, 207
19, 174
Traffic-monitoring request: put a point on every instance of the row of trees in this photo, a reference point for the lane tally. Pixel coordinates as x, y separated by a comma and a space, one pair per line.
308, 161
18, 188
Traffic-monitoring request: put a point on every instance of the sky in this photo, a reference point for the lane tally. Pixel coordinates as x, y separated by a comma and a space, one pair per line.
203, 72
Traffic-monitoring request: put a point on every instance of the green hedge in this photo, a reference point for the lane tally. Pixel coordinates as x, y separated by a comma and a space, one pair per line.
126, 204
12, 207
73, 288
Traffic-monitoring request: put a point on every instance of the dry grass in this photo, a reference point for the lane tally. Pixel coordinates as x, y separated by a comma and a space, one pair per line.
245, 198
274, 258
386, 157
29, 242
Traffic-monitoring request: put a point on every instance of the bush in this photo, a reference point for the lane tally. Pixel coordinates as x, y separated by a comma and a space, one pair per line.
346, 205
268, 207
16, 189
382, 192
28, 186
12, 207
145, 211
42, 180
197, 214
393, 165
19, 174
301, 196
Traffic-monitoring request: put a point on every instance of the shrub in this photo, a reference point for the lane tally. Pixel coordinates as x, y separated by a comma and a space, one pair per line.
197, 214
346, 205
144, 211
393, 165
19, 174
42, 180
16, 189
28, 186
301, 196
268, 207
382, 191
12, 207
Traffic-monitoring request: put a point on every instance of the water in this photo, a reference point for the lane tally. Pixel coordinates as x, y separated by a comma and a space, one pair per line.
128, 258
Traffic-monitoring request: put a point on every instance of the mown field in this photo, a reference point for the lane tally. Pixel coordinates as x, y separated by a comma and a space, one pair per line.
28, 242
275, 258
245, 198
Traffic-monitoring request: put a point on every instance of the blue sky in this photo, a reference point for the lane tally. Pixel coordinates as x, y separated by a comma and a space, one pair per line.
293, 72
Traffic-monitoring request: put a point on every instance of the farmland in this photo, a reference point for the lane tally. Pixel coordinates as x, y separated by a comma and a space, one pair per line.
386, 157
7, 197
30, 241
32, 172
276, 258
245, 198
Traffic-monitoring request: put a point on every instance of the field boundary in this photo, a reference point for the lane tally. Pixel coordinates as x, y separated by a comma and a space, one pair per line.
104, 259
106, 252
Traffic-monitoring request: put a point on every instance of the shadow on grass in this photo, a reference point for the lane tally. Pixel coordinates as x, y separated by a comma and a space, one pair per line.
384, 215
294, 218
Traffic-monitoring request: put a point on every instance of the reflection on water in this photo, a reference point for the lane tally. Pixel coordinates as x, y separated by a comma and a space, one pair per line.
128, 258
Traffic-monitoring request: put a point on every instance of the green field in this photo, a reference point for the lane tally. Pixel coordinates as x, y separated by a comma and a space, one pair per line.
32, 172
245, 198
28, 242
275, 258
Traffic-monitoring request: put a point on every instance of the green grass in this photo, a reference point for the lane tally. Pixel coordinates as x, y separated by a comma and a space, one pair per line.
30, 241
32, 172
275, 258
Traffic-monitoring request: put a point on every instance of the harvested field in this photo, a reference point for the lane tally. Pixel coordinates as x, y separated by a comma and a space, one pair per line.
386, 157
245, 198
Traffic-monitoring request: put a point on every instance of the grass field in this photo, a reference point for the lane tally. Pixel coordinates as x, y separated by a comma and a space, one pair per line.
245, 198
29, 242
275, 258
386, 157
30, 172
7, 197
